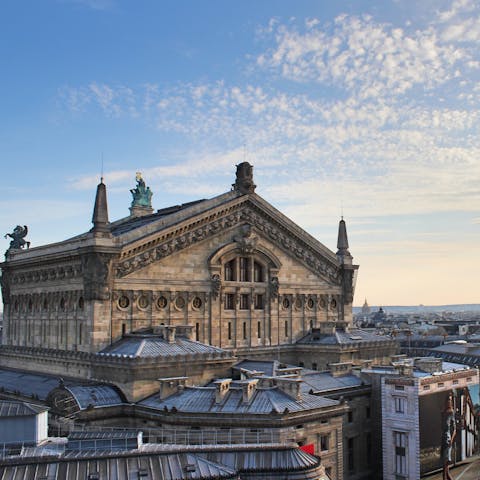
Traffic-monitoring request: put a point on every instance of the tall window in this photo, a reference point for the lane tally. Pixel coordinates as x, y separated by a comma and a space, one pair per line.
229, 330
400, 441
244, 301
257, 272
244, 269
324, 442
258, 301
350, 454
229, 301
244, 330
259, 329
400, 403
229, 270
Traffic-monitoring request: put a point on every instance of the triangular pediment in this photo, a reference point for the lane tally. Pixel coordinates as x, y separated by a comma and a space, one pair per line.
178, 232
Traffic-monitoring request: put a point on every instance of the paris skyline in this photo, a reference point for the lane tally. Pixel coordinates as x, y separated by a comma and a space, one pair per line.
366, 109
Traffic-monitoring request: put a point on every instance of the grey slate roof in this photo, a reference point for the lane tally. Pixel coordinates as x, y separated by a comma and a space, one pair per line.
156, 346
28, 384
268, 367
131, 223
95, 395
154, 462
256, 460
325, 382
170, 466
354, 336
9, 408
264, 401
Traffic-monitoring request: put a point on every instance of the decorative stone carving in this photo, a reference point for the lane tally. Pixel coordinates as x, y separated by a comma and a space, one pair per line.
5, 285
247, 241
96, 268
244, 178
216, 284
274, 286
347, 284
224, 219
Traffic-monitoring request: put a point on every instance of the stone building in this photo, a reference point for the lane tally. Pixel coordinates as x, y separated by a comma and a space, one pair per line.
409, 400
234, 268
231, 272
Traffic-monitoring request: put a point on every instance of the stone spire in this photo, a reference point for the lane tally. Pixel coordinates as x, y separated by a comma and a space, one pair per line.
342, 242
100, 210
244, 179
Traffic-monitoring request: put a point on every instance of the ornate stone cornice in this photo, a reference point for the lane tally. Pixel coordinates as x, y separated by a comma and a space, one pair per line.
216, 222
50, 273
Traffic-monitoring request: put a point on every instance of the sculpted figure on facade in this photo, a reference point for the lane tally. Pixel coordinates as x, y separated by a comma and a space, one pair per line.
96, 269
18, 237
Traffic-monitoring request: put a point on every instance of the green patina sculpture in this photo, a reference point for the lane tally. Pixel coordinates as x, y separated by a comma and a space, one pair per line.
142, 195
17, 236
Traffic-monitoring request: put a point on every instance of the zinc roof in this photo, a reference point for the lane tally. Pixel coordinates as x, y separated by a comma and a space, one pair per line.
129, 223
353, 336
10, 408
171, 466
29, 384
263, 401
324, 381
95, 395
271, 460
156, 346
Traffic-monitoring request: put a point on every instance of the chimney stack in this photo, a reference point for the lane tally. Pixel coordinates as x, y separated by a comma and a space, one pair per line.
248, 389
171, 385
222, 387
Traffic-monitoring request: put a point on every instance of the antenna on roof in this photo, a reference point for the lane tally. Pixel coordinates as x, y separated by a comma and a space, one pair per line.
101, 171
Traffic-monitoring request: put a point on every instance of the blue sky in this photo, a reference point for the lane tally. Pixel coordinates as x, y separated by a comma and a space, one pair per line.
369, 106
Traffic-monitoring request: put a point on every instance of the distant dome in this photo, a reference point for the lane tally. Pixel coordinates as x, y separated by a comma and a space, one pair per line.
366, 308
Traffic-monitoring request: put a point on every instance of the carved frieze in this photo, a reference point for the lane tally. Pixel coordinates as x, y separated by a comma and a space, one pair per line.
247, 214
5, 285
52, 273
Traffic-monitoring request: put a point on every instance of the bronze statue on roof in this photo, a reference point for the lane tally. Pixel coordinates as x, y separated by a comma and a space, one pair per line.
17, 236
142, 195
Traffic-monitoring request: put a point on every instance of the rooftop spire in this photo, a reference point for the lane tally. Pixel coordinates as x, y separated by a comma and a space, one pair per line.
100, 210
342, 242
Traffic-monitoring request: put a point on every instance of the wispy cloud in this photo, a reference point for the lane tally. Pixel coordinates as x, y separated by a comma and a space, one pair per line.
371, 116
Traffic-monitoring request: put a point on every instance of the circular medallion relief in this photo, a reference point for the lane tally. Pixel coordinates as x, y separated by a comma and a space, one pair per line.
333, 304
123, 301
162, 302
179, 303
143, 301
298, 303
197, 303
285, 303
322, 303
310, 303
